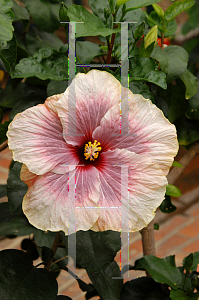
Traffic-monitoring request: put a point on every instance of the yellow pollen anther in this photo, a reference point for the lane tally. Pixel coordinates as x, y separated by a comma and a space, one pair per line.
91, 151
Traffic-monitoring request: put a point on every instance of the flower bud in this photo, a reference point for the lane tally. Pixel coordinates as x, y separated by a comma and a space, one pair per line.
106, 13
63, 13
112, 5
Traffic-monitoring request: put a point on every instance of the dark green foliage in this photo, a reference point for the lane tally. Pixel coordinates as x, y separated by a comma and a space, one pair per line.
161, 270
6, 18
45, 64
22, 97
8, 54
142, 288
3, 130
107, 287
16, 188
140, 88
144, 69
44, 13
173, 60
95, 250
20, 278
166, 206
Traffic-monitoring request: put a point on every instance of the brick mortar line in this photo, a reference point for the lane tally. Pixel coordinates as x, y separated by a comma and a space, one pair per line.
176, 230
190, 240
4, 170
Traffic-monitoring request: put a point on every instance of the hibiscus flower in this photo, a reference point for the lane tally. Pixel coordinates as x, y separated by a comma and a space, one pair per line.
77, 134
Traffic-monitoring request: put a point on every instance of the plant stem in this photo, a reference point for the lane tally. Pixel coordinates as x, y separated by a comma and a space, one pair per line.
162, 40
56, 261
184, 161
54, 248
111, 48
3, 146
148, 242
42, 263
123, 15
187, 273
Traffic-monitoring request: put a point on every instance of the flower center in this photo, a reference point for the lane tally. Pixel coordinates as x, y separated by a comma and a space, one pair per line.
92, 150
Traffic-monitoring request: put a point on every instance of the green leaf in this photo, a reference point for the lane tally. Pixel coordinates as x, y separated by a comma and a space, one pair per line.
172, 101
187, 131
18, 226
193, 21
56, 87
193, 109
151, 36
158, 9
6, 18
44, 13
20, 12
22, 97
16, 188
154, 19
178, 295
20, 278
177, 7
87, 51
98, 8
3, 190
3, 130
190, 82
107, 287
171, 260
47, 253
36, 95
92, 25
136, 3
8, 54
156, 226
45, 64
160, 269
173, 60
188, 262
144, 69
169, 28
146, 52
95, 250
195, 262
36, 39
141, 88
172, 190
6, 215
194, 296
142, 288
136, 15
176, 164
46, 239
166, 206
